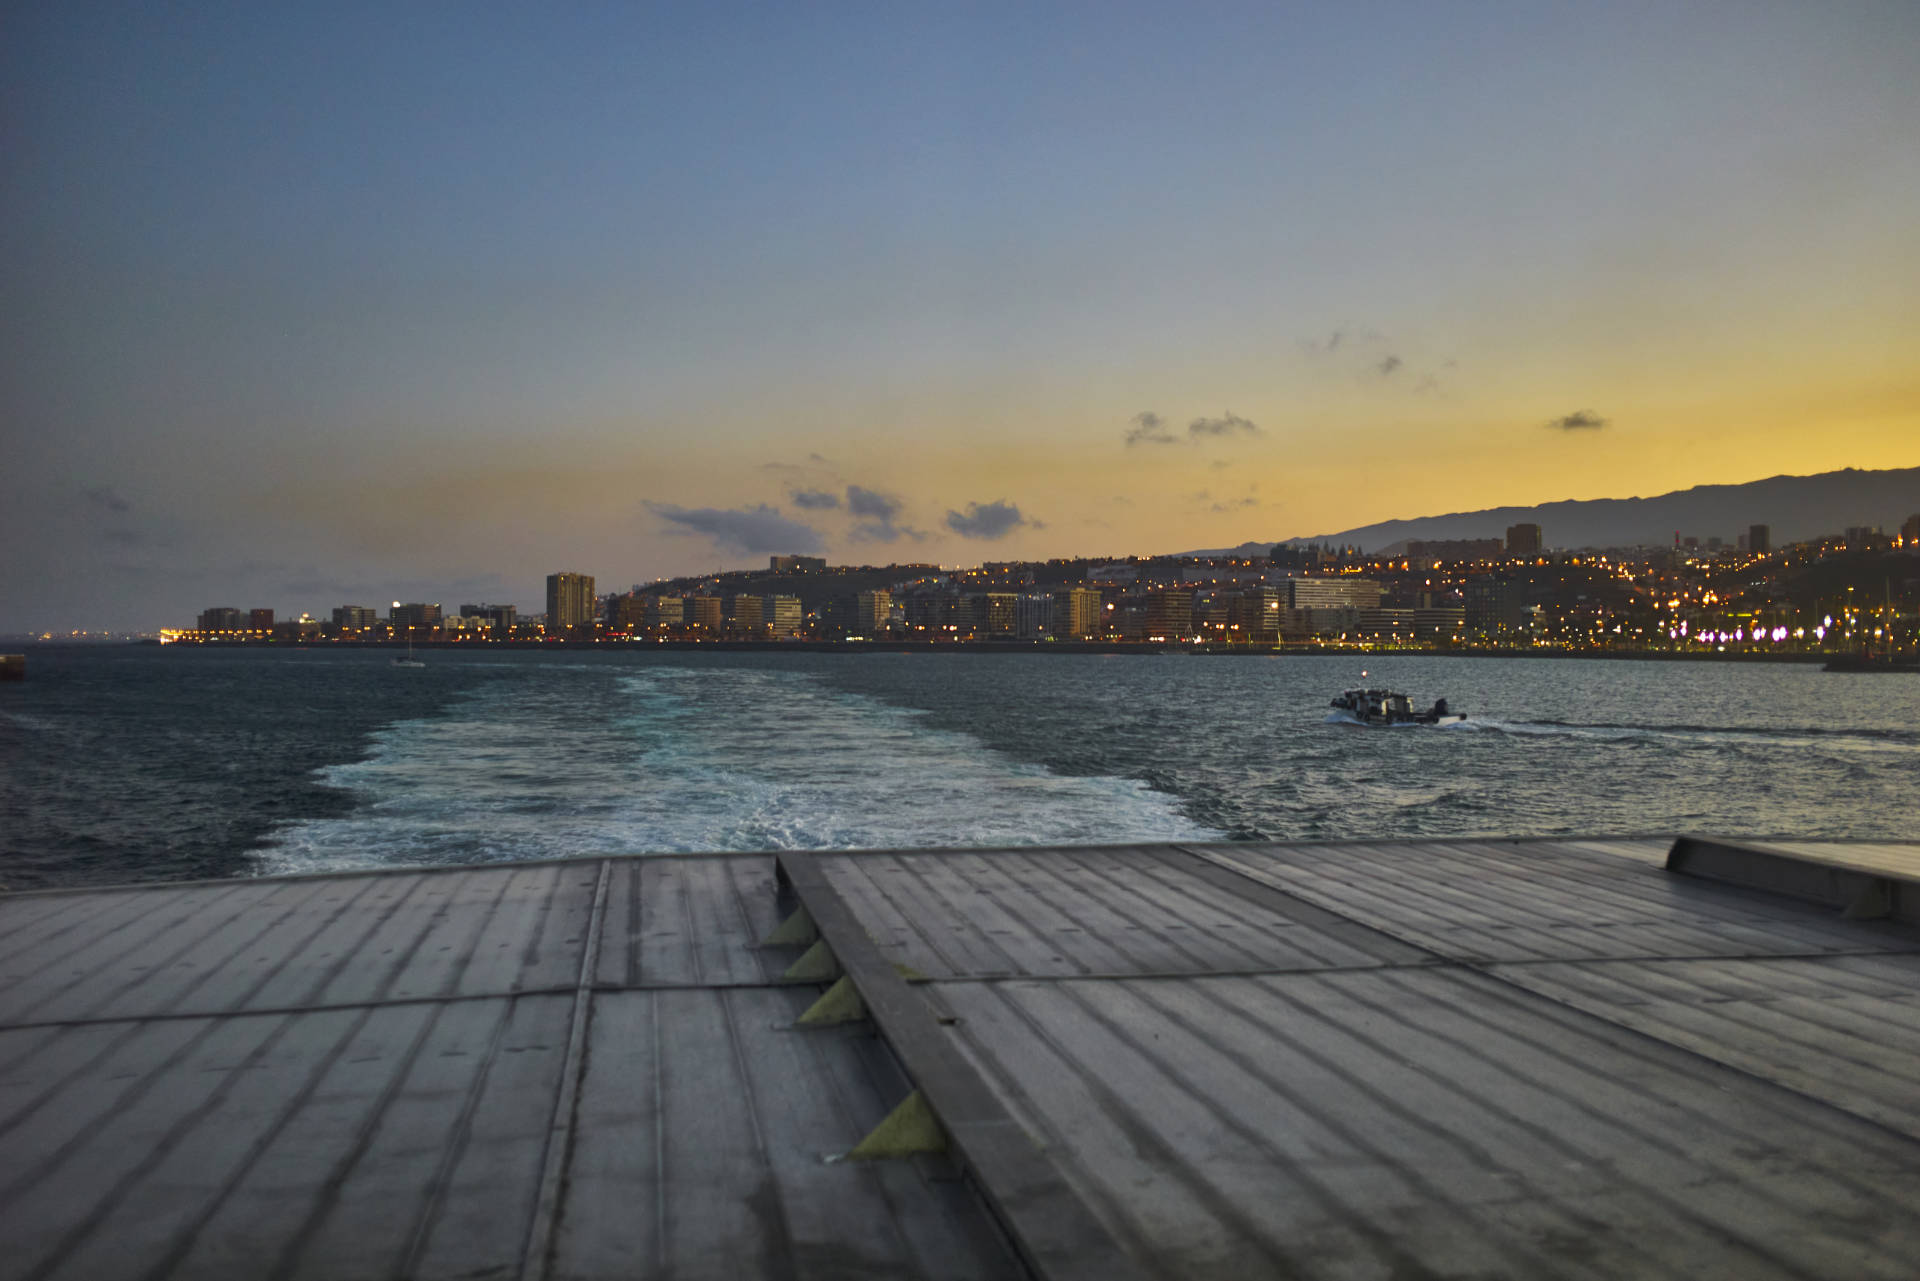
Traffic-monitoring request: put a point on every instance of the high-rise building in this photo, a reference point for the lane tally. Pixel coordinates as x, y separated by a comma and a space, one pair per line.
871, 610
992, 615
221, 618
1523, 540
628, 613
1169, 614
354, 618
259, 620
1910, 530
704, 612
1033, 615
1495, 605
1253, 615
1330, 592
1759, 540
782, 615
1077, 614
666, 611
747, 615
414, 617
933, 613
570, 601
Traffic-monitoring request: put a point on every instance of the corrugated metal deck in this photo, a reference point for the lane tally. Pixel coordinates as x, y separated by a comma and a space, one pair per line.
1409, 1059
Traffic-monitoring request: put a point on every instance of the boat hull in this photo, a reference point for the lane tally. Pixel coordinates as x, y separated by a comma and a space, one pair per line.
1348, 718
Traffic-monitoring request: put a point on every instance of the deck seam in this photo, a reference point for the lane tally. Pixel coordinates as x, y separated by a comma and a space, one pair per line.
1055, 1233
538, 1256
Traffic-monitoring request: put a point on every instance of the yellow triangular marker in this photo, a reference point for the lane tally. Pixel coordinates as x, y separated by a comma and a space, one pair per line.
908, 1130
840, 1003
817, 964
797, 930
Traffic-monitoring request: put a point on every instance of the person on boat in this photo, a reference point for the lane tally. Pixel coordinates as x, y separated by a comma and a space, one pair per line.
1439, 707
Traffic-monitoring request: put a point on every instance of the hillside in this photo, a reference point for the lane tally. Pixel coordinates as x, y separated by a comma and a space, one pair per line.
1794, 507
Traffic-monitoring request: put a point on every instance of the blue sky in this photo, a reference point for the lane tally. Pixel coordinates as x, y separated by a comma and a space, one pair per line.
341, 303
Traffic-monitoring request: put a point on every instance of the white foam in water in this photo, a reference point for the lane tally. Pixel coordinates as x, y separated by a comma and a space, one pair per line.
681, 760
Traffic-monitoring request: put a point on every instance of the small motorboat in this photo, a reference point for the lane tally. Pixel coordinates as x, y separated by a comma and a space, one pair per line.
1384, 709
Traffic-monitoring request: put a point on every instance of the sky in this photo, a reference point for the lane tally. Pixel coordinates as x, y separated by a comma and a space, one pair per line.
311, 305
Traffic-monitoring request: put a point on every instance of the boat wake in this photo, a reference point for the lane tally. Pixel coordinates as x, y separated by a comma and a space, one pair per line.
1868, 740
684, 760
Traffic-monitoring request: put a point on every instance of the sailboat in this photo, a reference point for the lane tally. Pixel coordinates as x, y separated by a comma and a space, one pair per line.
409, 660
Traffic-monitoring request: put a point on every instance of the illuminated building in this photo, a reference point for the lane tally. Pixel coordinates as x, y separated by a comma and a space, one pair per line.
1033, 615
782, 615
1495, 605
358, 618
570, 601
221, 618
628, 613
704, 612
747, 616
414, 617
259, 620
991, 615
1383, 624
501, 617
1169, 615
1331, 592
871, 612
1440, 623
1253, 615
666, 611
1077, 614
797, 564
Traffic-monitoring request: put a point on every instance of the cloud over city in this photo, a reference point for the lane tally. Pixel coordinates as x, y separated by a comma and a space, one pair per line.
879, 516
747, 530
991, 520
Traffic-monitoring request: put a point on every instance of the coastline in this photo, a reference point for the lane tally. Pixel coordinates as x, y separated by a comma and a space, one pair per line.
1146, 648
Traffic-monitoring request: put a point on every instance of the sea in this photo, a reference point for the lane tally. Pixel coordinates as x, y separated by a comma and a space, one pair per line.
145, 763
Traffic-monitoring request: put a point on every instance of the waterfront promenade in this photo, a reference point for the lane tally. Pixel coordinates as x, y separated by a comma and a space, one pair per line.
1540, 1058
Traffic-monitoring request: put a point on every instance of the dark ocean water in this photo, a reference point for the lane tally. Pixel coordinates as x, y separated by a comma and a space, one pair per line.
148, 764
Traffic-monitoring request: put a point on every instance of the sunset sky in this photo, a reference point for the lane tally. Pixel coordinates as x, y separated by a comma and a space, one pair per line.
313, 305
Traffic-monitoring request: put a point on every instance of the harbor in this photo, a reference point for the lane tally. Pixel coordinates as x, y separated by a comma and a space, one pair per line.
1525, 1058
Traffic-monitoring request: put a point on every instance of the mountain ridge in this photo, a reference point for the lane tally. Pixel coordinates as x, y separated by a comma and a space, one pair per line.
1793, 507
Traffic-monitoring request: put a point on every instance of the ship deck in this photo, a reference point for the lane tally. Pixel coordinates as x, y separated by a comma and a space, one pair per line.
1496, 1058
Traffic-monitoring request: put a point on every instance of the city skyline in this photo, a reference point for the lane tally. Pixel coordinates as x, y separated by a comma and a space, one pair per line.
1813, 510
1760, 596
360, 303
